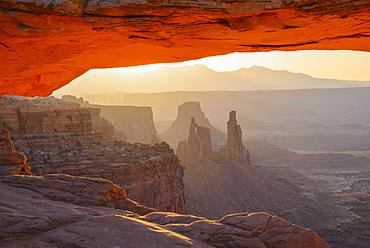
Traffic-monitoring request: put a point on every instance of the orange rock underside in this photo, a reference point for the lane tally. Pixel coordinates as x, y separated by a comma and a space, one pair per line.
40, 53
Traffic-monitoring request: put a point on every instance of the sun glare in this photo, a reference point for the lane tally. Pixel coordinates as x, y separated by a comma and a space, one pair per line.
345, 65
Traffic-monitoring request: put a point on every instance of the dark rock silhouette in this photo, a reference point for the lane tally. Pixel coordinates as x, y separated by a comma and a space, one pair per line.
179, 127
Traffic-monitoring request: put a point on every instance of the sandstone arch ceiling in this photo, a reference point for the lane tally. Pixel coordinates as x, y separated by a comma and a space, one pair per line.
44, 44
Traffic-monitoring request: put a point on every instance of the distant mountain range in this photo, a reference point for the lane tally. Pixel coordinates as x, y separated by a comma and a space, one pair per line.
198, 78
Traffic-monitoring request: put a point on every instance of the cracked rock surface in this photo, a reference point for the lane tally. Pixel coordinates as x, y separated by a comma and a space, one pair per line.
31, 217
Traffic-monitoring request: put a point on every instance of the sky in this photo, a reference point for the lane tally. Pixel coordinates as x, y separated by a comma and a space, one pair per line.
345, 65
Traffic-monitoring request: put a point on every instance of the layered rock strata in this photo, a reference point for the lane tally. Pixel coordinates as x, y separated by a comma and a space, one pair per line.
151, 175
23, 116
78, 190
135, 122
68, 211
11, 162
44, 45
42, 215
180, 126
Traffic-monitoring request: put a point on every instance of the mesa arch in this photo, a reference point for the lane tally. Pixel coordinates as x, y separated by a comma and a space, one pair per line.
44, 44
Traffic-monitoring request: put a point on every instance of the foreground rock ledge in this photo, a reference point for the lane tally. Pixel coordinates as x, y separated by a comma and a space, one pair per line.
45, 44
33, 215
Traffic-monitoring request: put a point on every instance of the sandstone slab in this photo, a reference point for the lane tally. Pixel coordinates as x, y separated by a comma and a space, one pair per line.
46, 44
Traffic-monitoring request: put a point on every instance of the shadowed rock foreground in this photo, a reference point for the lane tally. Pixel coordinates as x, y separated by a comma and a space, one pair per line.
70, 211
66, 211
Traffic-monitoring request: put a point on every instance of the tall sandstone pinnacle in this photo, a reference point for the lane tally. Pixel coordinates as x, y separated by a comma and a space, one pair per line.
11, 162
198, 146
234, 148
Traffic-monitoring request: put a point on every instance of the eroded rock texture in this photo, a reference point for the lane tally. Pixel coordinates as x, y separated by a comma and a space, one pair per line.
151, 175
11, 162
63, 211
45, 116
136, 123
45, 44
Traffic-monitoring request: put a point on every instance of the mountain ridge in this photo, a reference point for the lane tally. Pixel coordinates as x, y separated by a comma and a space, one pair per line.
199, 78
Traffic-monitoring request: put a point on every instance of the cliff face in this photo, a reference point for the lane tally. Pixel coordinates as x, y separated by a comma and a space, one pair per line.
103, 125
77, 211
151, 175
135, 122
11, 162
45, 116
179, 127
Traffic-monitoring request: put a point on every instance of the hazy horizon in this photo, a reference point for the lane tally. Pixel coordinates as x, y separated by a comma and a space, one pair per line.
324, 65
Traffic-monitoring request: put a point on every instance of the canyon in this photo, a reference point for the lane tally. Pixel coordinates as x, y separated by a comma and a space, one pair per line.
44, 45
151, 178
134, 124
58, 210
64, 138
49, 116
228, 175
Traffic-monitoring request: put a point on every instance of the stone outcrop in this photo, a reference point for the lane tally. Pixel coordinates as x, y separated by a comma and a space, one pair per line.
179, 127
30, 218
30, 116
212, 176
234, 149
198, 145
78, 190
104, 126
11, 162
151, 175
44, 116
44, 45
135, 122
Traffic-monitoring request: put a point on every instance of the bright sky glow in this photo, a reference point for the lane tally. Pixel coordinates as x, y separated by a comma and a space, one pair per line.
347, 65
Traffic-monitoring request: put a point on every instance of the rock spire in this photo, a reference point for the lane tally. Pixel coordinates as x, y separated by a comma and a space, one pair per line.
198, 145
234, 148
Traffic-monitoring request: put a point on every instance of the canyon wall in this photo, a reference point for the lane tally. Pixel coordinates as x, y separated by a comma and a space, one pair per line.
45, 116
151, 174
135, 122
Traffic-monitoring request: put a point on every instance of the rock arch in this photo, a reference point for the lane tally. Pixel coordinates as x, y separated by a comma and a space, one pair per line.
44, 44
